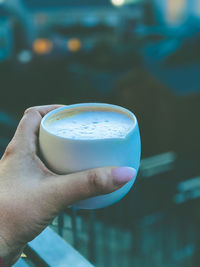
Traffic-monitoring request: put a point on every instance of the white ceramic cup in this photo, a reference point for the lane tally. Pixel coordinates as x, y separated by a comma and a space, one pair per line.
66, 155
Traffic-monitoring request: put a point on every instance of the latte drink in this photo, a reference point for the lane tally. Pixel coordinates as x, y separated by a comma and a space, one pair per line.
91, 135
91, 125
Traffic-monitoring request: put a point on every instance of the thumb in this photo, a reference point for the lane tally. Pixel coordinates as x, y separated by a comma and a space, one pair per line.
67, 189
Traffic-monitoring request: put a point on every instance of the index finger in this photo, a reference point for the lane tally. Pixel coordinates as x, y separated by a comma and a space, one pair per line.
27, 130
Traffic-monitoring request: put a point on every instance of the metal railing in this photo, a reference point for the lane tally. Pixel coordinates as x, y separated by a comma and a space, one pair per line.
149, 221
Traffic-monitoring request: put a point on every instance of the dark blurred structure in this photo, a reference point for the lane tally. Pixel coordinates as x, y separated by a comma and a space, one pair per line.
143, 55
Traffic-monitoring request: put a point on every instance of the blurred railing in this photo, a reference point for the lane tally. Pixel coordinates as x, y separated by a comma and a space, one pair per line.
148, 227
49, 249
156, 224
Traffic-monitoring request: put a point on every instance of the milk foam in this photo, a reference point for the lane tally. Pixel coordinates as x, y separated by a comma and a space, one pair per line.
92, 125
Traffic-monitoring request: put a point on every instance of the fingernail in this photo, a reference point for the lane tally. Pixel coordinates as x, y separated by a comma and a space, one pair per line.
123, 175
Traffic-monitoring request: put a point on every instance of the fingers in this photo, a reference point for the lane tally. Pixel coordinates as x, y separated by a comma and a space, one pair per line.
68, 189
27, 130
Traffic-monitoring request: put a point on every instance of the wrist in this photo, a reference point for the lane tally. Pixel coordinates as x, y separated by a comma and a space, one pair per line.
9, 254
2, 263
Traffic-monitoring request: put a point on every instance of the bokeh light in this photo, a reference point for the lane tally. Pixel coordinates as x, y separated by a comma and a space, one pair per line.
175, 11
25, 56
74, 45
42, 46
117, 2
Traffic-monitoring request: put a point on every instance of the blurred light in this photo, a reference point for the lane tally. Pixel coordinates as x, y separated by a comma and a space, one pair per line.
41, 18
157, 164
2, 1
123, 2
197, 7
90, 20
24, 56
74, 45
42, 46
179, 198
112, 20
175, 10
189, 184
117, 2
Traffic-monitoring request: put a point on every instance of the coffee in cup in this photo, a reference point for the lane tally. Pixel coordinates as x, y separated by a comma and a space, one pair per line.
91, 135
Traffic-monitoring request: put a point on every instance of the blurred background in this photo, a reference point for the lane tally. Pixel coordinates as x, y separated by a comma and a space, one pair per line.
143, 55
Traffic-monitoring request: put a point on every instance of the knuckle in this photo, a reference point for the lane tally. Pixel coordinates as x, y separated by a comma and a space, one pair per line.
30, 110
95, 182
10, 150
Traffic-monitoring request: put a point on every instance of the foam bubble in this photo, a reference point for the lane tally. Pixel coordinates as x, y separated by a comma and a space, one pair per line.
92, 125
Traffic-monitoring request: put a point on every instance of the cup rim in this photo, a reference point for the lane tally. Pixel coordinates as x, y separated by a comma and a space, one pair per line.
111, 106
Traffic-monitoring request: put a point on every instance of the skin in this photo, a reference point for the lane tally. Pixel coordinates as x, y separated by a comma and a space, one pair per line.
31, 195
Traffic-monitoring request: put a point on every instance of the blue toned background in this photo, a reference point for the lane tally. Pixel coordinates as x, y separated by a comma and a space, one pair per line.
140, 54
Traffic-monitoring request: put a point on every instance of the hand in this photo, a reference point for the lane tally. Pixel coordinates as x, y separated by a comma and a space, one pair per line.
31, 195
